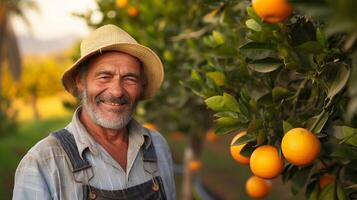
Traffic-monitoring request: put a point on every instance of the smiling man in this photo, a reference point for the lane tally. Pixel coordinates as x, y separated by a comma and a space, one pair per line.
103, 153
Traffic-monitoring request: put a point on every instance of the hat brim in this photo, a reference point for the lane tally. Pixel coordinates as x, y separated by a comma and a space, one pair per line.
153, 68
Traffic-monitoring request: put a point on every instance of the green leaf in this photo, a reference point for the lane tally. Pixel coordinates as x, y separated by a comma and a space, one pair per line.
312, 191
257, 50
319, 122
226, 129
215, 103
195, 75
261, 138
287, 126
265, 65
227, 114
218, 37
341, 194
244, 139
247, 149
300, 178
252, 24
346, 134
230, 102
227, 121
266, 99
328, 192
252, 14
280, 93
321, 38
254, 126
344, 152
218, 77
311, 47
338, 79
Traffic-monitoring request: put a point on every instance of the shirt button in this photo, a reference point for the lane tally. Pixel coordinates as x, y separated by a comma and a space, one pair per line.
92, 195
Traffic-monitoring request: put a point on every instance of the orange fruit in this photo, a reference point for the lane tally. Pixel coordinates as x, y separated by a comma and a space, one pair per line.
272, 11
121, 3
257, 187
150, 126
300, 147
211, 136
326, 179
265, 162
195, 165
235, 150
133, 11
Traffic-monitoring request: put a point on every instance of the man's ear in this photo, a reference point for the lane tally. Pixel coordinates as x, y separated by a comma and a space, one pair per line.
79, 82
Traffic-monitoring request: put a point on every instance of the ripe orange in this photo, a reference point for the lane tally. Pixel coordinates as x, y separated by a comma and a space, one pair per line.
195, 165
121, 3
150, 126
272, 11
211, 136
235, 150
300, 147
326, 179
265, 162
133, 11
257, 187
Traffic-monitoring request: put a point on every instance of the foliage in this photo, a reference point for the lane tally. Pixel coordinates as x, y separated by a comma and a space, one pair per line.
41, 77
267, 78
255, 76
10, 55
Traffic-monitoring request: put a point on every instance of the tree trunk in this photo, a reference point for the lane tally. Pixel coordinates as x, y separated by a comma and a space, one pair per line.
192, 152
33, 101
187, 174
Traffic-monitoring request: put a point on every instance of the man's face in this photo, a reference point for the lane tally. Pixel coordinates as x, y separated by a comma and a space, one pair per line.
111, 89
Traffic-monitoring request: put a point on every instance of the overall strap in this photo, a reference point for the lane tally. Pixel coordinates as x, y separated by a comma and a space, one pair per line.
150, 163
149, 154
70, 147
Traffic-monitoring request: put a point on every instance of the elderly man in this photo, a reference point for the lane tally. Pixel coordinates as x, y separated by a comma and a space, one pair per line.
103, 153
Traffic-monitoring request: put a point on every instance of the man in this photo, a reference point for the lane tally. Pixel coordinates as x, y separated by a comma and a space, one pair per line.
103, 153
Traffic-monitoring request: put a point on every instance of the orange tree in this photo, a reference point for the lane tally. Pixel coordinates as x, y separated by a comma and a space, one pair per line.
268, 78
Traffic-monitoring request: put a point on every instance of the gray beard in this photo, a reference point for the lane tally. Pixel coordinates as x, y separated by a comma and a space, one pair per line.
96, 116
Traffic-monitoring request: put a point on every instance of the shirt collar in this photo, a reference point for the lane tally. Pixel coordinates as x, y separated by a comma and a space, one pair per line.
84, 140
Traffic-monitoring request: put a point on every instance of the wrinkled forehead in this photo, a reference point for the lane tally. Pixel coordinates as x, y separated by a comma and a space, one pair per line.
113, 60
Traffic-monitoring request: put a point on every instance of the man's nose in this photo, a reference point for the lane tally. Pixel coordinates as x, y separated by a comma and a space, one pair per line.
116, 88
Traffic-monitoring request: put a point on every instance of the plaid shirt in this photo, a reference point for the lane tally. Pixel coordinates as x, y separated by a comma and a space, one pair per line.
45, 173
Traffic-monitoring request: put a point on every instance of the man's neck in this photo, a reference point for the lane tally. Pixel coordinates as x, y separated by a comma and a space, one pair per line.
115, 142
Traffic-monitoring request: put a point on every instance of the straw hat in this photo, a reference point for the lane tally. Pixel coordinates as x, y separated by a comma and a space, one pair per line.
113, 38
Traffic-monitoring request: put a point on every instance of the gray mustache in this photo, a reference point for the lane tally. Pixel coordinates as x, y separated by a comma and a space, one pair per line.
112, 99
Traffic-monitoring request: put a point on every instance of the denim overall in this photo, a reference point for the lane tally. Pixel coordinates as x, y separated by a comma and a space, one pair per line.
150, 190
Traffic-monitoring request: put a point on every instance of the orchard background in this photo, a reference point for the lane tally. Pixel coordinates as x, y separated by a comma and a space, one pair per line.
227, 70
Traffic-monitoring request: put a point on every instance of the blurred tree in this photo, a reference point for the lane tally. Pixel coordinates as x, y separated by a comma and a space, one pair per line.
41, 78
9, 49
10, 54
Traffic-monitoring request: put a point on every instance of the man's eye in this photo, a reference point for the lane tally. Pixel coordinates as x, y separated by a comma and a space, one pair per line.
130, 79
104, 77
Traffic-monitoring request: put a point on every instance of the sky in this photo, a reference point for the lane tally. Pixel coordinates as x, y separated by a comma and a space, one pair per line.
54, 20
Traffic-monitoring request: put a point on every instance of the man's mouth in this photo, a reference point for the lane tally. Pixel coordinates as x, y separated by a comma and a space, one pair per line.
112, 103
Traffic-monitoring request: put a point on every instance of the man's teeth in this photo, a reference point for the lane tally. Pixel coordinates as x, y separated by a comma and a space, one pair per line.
113, 104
